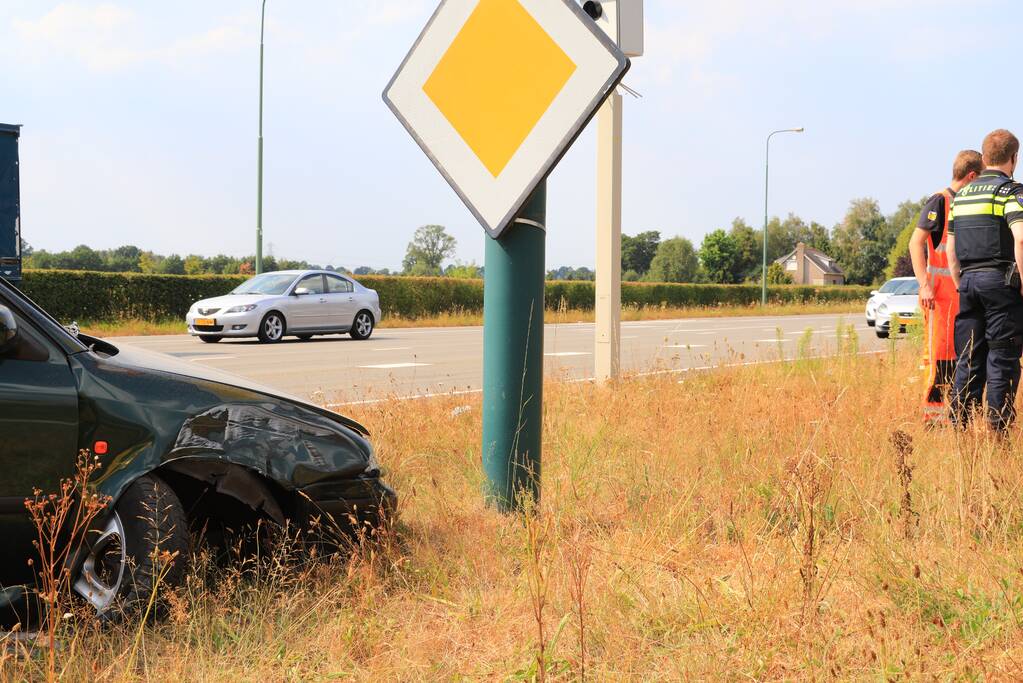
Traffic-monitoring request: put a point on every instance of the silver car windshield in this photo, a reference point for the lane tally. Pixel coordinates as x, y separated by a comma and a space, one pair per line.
267, 283
908, 287
891, 286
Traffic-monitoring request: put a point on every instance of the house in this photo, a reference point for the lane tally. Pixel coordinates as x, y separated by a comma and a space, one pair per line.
809, 266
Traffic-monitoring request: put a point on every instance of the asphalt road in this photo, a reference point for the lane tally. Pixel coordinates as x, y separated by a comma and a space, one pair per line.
423, 361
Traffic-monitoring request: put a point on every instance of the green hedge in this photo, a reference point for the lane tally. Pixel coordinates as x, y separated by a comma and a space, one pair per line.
85, 295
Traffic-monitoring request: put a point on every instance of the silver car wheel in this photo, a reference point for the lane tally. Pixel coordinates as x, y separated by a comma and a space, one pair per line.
273, 327
102, 572
363, 324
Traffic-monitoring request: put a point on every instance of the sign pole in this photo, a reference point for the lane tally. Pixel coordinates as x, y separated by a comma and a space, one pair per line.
513, 310
607, 351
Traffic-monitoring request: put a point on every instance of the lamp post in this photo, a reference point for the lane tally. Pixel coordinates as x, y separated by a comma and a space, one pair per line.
259, 153
767, 176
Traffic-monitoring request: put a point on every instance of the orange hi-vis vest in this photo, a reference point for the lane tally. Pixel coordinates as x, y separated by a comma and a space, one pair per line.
939, 324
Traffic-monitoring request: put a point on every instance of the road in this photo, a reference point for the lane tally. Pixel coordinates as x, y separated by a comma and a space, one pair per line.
417, 362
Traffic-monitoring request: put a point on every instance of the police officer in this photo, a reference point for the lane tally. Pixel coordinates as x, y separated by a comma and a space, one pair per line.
985, 249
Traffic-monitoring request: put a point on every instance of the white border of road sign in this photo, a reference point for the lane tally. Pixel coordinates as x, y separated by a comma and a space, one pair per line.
600, 65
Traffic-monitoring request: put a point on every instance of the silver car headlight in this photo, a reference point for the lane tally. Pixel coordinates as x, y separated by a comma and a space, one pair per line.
883, 308
241, 309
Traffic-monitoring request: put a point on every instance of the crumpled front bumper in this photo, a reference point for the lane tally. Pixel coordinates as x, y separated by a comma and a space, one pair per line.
366, 500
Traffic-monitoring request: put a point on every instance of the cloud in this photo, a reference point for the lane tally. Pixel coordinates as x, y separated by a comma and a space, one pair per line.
108, 37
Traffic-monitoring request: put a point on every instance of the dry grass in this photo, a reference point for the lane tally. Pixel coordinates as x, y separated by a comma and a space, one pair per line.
125, 328
747, 523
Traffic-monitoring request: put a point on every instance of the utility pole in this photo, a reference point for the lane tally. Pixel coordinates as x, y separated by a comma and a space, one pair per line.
608, 313
259, 153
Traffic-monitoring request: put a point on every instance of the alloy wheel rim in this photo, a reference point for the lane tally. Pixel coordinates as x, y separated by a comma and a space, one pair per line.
363, 325
273, 327
102, 572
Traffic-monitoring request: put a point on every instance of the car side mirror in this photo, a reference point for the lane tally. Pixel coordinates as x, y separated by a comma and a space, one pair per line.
300, 291
8, 330
872, 293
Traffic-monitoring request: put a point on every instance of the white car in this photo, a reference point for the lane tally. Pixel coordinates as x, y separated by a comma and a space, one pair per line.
301, 303
878, 296
905, 305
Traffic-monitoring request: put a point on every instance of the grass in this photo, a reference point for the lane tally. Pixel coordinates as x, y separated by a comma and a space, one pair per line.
121, 328
772, 522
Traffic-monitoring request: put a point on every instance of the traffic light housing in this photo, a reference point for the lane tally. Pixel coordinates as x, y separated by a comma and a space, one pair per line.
621, 20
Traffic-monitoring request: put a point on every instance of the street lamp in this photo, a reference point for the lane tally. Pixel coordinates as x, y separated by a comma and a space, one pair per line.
259, 153
767, 175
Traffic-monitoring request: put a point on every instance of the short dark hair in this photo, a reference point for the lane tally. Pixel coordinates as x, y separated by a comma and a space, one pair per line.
999, 147
968, 161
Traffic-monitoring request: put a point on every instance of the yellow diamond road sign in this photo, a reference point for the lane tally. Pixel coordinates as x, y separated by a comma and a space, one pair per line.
495, 91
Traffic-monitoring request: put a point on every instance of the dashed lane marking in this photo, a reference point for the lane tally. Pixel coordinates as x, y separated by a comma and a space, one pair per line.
392, 366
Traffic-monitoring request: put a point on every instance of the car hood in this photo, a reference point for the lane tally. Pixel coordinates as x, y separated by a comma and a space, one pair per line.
133, 357
229, 300
903, 303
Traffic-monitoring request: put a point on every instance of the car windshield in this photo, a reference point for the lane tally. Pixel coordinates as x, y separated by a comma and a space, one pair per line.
267, 283
891, 286
908, 287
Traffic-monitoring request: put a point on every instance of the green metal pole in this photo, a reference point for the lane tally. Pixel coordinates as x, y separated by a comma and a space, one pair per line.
513, 308
767, 176
259, 154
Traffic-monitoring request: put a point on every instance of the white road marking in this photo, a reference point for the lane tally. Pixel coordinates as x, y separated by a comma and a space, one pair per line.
393, 348
392, 366
773, 341
568, 353
210, 358
685, 346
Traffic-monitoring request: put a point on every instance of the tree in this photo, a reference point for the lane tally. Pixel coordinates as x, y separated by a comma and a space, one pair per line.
862, 242
748, 250
717, 254
639, 251
776, 275
429, 247
193, 265
464, 270
899, 263
675, 261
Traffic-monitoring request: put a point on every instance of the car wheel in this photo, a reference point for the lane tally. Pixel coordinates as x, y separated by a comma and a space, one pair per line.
143, 545
881, 334
271, 329
304, 337
210, 338
362, 326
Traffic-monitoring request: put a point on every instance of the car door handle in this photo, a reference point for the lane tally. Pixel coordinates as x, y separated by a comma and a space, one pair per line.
323, 300
351, 298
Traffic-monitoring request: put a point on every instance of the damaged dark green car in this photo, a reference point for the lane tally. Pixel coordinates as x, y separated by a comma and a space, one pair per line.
192, 444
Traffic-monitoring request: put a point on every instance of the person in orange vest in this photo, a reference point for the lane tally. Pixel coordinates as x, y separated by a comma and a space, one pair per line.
938, 296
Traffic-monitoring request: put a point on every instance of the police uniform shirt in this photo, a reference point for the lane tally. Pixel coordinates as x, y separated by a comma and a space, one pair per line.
932, 216
980, 198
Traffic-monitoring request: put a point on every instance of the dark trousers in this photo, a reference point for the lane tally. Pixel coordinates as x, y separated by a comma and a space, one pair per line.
989, 340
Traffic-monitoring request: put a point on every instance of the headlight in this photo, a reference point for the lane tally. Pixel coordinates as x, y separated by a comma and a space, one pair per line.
241, 309
883, 308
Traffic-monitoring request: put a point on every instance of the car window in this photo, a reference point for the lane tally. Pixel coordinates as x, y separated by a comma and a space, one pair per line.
314, 283
267, 283
338, 285
890, 286
31, 345
909, 287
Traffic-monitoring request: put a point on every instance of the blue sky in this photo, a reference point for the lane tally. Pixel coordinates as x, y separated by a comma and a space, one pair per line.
140, 121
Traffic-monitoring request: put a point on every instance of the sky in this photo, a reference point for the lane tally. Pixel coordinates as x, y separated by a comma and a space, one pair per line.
140, 121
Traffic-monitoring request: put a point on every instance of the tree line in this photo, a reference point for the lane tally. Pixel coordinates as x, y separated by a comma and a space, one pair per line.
868, 245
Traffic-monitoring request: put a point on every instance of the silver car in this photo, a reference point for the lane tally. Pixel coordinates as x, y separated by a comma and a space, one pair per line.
879, 296
301, 303
905, 305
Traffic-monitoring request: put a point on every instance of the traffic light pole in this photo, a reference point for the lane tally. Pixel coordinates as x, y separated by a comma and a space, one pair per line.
513, 310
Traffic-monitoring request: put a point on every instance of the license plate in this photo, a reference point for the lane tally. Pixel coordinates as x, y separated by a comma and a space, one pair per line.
205, 321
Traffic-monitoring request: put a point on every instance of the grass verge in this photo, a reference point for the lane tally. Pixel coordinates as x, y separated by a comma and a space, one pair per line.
123, 328
774, 522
